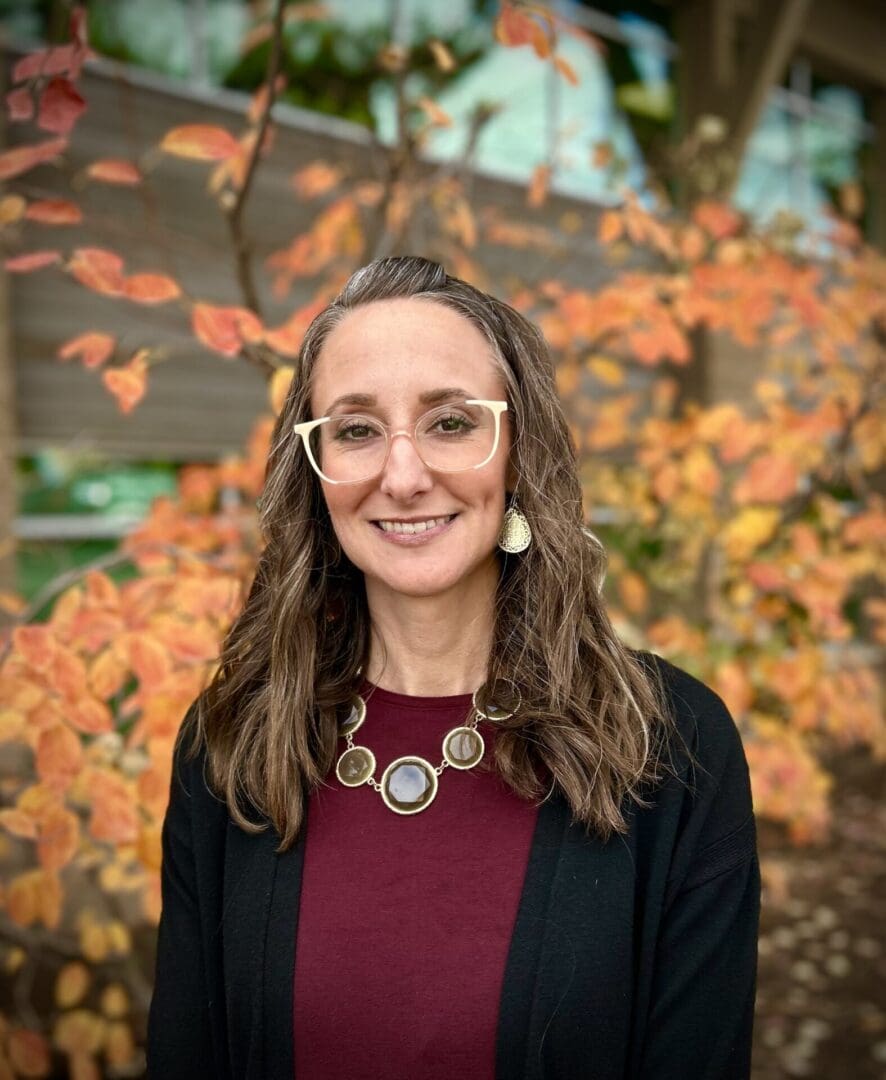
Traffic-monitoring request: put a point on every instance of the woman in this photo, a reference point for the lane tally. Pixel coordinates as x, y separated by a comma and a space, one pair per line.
431, 817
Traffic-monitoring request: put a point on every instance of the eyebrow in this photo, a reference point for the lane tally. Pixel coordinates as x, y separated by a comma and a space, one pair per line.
429, 397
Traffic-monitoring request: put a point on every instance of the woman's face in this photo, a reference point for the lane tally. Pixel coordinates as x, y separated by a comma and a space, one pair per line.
396, 351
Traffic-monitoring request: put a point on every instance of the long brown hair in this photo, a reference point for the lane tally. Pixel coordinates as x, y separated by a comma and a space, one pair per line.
593, 711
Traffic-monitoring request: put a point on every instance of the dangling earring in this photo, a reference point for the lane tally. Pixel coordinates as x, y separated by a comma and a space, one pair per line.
515, 534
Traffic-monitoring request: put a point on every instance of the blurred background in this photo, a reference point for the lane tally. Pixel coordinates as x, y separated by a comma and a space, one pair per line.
690, 198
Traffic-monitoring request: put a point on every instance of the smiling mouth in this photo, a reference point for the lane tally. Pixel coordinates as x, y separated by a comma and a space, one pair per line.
413, 528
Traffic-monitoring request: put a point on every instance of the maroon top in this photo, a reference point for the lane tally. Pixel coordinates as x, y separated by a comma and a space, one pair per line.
405, 921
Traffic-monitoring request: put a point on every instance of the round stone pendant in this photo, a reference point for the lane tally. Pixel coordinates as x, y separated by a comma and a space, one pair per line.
408, 785
355, 717
463, 747
498, 701
355, 766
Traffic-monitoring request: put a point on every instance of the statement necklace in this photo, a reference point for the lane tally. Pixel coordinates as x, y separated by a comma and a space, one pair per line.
409, 784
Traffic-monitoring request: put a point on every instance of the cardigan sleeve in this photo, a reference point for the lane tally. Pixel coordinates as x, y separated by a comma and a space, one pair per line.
179, 1043
701, 1016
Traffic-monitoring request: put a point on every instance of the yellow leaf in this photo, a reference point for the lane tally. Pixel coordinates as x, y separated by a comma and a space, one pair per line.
119, 1044
607, 371
747, 532
443, 58
71, 984
80, 1031
281, 380
115, 1001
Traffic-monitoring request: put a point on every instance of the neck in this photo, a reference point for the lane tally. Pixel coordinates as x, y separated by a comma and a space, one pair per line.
432, 646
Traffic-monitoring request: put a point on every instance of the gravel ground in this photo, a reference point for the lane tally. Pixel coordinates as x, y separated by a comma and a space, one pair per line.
821, 986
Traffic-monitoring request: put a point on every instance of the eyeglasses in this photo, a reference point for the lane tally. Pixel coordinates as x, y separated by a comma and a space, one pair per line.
352, 448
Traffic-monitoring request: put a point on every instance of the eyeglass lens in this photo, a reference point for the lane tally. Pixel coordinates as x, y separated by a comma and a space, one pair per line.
449, 438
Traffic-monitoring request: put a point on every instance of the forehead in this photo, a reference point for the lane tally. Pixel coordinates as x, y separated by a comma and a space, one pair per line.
399, 349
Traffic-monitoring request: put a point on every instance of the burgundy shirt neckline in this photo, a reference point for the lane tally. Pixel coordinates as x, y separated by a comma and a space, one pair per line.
393, 699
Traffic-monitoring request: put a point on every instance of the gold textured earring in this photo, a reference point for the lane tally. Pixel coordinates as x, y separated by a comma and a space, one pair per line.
515, 534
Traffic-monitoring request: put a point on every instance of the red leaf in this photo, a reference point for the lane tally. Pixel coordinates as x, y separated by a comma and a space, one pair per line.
151, 288
32, 260
29, 66
79, 28
21, 158
20, 104
54, 212
60, 106
128, 383
224, 329
114, 171
98, 269
93, 347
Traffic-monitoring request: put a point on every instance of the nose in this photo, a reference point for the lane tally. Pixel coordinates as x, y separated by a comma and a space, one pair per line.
405, 474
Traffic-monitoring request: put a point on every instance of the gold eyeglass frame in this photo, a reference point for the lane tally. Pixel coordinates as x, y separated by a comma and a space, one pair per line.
305, 428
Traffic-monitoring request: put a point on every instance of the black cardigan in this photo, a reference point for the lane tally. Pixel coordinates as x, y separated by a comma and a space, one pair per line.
630, 959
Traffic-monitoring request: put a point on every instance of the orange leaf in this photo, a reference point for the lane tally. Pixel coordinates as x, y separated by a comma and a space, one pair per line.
316, 179
19, 824
149, 658
80, 1033
287, 339
98, 269
35, 644
538, 185
437, 116
18, 160
717, 219
35, 896
200, 142
12, 724
114, 171
29, 1053
225, 329
566, 70
59, 838
32, 260
59, 756
151, 288
54, 212
769, 478
93, 347
128, 383
89, 715
611, 227
67, 674
107, 674
114, 816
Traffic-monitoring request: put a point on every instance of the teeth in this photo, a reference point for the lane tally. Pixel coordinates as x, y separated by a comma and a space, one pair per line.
413, 527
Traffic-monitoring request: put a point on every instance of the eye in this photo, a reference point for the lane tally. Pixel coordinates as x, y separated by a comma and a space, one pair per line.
453, 423
354, 432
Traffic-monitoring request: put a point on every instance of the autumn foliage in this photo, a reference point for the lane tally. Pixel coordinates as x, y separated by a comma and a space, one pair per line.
747, 538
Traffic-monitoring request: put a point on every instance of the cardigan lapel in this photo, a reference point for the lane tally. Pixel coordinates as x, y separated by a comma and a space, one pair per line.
261, 891
519, 994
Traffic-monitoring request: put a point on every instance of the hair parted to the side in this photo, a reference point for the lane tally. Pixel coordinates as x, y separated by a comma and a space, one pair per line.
594, 714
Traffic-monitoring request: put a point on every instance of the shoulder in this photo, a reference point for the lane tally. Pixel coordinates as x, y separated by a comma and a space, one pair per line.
710, 803
701, 717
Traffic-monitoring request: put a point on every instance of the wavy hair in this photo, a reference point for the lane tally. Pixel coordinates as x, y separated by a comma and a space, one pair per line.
593, 710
